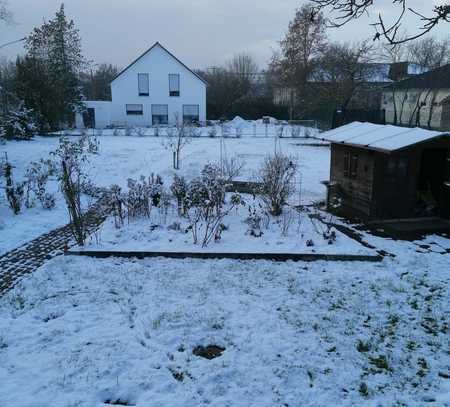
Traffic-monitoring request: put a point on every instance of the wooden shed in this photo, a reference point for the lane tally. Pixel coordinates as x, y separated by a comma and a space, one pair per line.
389, 172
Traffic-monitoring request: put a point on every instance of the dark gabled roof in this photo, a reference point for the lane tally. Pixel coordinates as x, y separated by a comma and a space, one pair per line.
436, 79
165, 49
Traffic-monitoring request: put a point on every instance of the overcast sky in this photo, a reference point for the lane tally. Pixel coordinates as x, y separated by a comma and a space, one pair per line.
201, 33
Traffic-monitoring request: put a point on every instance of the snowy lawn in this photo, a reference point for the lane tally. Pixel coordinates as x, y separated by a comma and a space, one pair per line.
123, 157
80, 332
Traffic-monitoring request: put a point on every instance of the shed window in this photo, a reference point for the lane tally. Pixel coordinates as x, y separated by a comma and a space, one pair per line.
397, 167
160, 114
190, 113
143, 84
354, 166
346, 164
174, 84
135, 110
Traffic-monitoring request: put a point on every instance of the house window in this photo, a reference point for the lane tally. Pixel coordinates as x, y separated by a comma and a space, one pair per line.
174, 84
160, 114
190, 113
135, 110
143, 84
350, 165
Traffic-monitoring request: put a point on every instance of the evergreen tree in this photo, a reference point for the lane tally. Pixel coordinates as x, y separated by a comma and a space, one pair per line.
48, 76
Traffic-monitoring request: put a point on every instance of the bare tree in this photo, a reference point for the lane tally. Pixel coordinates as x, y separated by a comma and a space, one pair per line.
344, 70
243, 65
429, 52
300, 49
177, 138
348, 10
5, 13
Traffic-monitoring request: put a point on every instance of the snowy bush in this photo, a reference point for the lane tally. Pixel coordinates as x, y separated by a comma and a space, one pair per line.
276, 176
295, 131
205, 200
212, 132
193, 131
179, 190
72, 156
36, 178
253, 221
18, 124
14, 192
142, 195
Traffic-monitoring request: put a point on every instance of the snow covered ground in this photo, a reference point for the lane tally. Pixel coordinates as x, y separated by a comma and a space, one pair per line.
123, 157
80, 332
292, 232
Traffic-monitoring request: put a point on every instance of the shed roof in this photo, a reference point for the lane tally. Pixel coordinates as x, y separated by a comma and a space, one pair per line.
384, 138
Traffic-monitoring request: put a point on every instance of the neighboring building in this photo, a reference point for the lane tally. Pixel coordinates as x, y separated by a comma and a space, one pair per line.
155, 89
422, 100
388, 172
369, 91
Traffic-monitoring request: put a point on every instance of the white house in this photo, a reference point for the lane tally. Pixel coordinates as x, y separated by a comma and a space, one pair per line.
155, 89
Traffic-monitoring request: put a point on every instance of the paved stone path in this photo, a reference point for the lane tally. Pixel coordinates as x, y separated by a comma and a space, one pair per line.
30, 256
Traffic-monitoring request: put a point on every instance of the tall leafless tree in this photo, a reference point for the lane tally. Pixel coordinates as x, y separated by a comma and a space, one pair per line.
300, 48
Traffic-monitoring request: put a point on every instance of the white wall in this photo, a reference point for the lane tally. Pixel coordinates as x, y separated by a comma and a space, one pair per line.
406, 103
158, 64
102, 114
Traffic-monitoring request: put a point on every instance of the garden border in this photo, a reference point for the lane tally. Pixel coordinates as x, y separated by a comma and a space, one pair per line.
282, 257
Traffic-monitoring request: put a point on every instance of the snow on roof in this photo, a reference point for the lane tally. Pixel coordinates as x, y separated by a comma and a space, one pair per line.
381, 137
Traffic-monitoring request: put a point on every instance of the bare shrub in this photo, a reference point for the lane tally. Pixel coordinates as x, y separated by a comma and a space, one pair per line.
206, 206
177, 138
287, 219
276, 177
232, 167
115, 205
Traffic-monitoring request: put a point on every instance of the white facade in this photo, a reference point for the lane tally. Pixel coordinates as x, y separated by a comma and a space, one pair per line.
102, 115
141, 95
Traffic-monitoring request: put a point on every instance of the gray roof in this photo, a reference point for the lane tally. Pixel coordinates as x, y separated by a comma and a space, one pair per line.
384, 138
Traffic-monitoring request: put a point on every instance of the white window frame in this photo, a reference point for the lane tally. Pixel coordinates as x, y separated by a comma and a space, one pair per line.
143, 84
134, 109
191, 118
174, 88
156, 113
